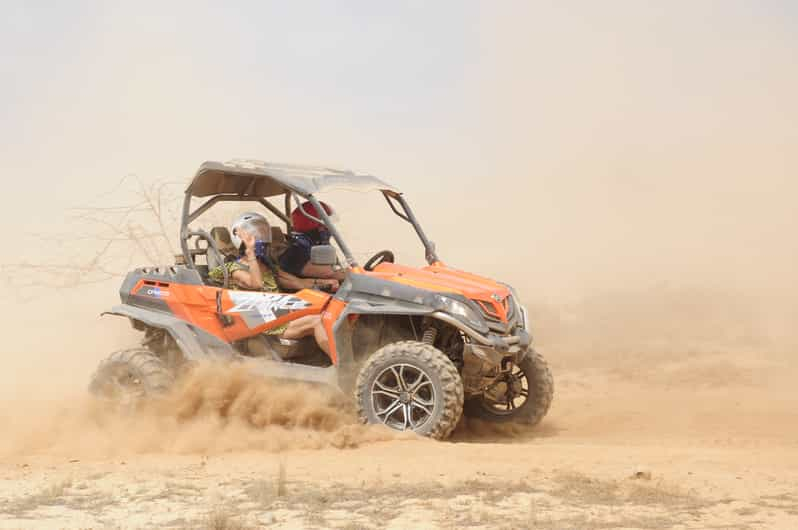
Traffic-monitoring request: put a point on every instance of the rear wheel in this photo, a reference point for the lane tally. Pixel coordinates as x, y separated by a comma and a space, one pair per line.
128, 377
523, 394
412, 386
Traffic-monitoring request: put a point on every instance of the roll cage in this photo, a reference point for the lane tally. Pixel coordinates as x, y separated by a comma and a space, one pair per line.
256, 181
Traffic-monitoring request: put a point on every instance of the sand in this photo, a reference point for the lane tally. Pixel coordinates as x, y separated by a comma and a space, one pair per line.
705, 440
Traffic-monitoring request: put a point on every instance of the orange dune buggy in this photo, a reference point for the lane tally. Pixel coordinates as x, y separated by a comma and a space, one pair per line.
417, 347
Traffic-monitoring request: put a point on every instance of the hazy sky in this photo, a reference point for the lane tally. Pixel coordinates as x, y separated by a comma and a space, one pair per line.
593, 143
565, 147
157, 87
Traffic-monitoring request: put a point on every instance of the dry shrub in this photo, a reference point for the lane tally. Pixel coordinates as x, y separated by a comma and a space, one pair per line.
221, 518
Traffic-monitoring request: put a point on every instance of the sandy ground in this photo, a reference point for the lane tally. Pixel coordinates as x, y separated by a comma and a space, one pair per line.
704, 441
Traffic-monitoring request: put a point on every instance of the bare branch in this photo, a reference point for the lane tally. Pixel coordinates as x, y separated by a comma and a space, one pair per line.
104, 239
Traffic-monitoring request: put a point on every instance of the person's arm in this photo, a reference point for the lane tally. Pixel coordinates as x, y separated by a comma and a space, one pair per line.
296, 261
252, 278
287, 280
322, 271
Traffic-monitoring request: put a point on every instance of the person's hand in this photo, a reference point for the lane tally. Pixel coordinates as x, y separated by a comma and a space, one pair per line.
327, 285
246, 238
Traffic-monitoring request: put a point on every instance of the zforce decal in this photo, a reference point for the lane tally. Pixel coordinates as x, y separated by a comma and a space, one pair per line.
259, 308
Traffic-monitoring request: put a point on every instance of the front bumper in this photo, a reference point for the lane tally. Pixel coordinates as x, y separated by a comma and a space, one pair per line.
491, 347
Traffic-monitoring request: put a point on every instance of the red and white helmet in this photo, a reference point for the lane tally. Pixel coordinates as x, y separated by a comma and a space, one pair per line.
303, 223
255, 224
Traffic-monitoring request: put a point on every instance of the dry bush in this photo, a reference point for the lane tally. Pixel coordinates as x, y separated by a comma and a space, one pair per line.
50, 495
262, 492
131, 225
282, 480
583, 489
221, 518
265, 492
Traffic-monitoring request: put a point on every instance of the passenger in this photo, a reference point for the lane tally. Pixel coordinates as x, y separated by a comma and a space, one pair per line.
254, 269
308, 233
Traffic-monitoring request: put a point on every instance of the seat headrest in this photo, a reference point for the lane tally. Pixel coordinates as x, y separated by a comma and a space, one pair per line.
221, 236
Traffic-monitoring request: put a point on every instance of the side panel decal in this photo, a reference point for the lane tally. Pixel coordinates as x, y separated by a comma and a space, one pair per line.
259, 308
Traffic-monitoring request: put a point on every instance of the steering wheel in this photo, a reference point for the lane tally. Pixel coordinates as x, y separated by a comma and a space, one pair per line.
382, 256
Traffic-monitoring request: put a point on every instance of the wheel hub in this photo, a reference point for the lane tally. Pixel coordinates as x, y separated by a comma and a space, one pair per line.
403, 397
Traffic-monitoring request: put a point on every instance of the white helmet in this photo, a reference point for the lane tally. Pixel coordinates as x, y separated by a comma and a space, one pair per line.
255, 224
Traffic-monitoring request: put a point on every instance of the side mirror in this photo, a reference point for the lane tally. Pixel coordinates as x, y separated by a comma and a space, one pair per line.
323, 255
430, 254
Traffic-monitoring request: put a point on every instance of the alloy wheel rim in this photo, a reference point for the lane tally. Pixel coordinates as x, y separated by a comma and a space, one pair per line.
403, 397
515, 395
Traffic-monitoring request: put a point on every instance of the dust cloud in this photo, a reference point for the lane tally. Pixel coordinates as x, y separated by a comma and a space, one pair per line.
628, 168
640, 193
214, 409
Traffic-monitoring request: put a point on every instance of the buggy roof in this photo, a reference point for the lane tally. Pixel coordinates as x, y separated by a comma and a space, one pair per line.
263, 179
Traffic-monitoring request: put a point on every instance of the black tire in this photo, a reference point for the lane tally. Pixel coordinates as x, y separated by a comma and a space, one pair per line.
433, 400
128, 377
540, 392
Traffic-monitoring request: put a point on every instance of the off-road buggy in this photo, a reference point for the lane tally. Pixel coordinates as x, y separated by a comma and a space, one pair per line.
417, 347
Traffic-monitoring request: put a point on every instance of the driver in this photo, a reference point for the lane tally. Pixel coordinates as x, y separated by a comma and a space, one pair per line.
308, 233
254, 269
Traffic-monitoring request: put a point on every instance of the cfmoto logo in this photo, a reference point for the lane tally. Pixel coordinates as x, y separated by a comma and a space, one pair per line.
157, 292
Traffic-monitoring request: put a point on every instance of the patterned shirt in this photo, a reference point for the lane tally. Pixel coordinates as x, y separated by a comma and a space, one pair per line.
269, 283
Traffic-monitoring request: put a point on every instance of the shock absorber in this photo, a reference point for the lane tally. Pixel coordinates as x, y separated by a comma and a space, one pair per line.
430, 334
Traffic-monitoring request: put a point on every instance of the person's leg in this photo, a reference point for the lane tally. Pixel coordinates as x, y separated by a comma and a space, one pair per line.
321, 337
301, 327
308, 325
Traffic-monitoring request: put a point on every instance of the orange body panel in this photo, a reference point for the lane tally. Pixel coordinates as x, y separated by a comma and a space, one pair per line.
192, 303
328, 319
198, 305
315, 300
491, 295
252, 313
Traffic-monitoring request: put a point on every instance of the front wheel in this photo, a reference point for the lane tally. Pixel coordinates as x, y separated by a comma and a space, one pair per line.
523, 394
412, 386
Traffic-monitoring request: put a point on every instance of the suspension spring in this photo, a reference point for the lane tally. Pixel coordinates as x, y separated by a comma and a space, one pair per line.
430, 334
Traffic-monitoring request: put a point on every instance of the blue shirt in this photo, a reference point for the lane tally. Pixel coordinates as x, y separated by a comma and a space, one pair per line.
297, 255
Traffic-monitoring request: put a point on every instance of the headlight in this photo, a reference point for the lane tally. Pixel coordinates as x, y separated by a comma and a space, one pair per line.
521, 308
524, 317
514, 294
462, 311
